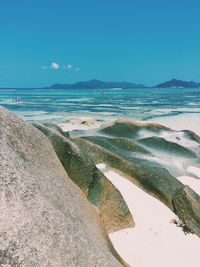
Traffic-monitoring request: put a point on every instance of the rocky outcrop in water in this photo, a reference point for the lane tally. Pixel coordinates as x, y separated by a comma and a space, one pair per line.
45, 218
88, 121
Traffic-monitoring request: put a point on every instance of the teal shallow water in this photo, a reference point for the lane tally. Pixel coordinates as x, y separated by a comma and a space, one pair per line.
105, 105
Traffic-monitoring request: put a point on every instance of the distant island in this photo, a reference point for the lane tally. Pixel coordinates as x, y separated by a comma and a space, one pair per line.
101, 85
178, 84
96, 84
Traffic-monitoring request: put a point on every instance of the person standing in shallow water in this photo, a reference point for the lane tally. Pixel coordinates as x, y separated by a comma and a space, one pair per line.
18, 100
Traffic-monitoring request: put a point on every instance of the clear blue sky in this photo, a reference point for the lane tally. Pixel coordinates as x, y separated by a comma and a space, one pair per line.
63, 41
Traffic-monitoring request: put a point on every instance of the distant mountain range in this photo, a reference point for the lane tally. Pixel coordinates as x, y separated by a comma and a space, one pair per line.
178, 84
96, 84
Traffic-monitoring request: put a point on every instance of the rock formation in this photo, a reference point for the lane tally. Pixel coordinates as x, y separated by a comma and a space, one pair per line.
97, 188
88, 121
129, 128
45, 218
47, 177
136, 158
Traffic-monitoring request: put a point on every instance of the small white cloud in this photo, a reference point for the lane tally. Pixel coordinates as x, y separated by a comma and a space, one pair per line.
55, 65
44, 67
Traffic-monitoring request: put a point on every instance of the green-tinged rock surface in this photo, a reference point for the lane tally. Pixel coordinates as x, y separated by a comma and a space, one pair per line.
156, 181
162, 145
135, 158
97, 188
130, 128
187, 206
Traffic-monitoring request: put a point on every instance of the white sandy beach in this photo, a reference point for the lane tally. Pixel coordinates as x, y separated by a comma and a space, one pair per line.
188, 121
154, 241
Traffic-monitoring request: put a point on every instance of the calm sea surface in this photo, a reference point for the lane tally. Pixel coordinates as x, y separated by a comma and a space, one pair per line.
44, 105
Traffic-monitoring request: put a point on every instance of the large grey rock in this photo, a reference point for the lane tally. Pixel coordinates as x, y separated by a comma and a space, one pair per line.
98, 189
45, 218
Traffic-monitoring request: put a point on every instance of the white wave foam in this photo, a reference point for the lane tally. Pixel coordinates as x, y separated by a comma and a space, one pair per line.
129, 108
160, 111
43, 117
8, 90
193, 103
187, 109
79, 99
31, 113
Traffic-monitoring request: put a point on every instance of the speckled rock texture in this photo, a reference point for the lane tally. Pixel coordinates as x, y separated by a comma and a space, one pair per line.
45, 219
113, 210
187, 206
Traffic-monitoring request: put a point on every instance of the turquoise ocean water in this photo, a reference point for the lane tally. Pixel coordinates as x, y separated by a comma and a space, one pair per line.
56, 106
